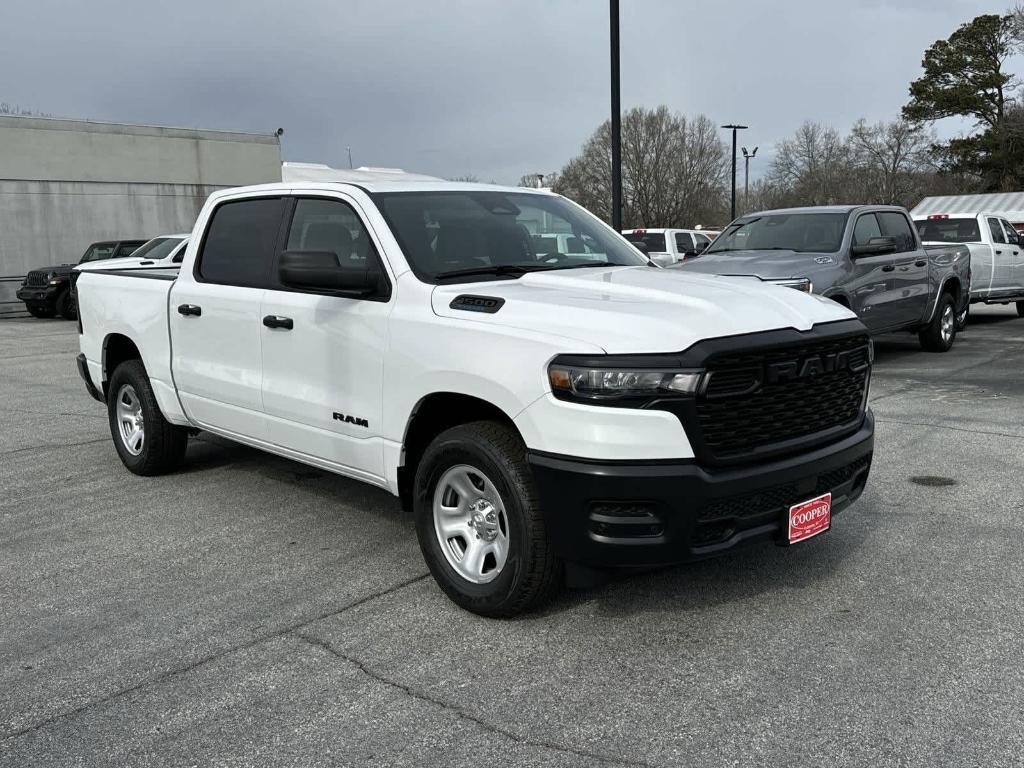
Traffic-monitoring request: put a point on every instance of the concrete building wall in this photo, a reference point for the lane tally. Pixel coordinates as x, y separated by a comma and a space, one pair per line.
65, 184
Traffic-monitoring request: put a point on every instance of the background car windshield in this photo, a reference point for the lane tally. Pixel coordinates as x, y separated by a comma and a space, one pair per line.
157, 248
98, 252
655, 241
443, 232
949, 230
800, 232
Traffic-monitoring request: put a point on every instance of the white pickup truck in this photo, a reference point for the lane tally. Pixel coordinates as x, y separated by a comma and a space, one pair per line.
542, 414
666, 247
997, 255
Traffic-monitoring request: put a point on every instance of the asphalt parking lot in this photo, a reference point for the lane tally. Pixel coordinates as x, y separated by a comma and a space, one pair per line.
253, 611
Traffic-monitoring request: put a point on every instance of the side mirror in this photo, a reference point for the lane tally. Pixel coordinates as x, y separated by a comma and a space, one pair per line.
321, 271
876, 246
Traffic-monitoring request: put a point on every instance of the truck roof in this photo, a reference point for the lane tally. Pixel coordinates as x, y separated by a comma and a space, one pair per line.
822, 209
379, 184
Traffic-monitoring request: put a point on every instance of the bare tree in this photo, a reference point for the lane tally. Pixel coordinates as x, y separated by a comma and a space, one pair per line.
15, 109
538, 180
893, 157
814, 165
673, 170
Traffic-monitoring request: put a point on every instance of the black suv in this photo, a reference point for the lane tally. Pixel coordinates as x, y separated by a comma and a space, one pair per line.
47, 291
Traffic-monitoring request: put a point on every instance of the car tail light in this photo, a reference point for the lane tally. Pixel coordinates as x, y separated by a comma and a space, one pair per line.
938, 216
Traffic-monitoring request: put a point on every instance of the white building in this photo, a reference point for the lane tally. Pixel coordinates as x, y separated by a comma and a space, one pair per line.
67, 183
1009, 205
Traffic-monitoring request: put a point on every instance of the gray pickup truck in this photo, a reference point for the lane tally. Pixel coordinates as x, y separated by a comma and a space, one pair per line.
868, 258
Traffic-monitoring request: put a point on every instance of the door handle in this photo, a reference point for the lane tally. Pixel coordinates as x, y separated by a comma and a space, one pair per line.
921, 263
888, 268
999, 253
276, 321
190, 309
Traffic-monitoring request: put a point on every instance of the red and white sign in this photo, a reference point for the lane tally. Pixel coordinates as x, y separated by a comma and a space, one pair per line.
810, 518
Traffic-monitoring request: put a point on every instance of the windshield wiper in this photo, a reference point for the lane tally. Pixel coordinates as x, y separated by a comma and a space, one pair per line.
594, 264
499, 269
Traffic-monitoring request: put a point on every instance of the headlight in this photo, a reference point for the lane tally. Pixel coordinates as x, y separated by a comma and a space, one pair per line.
570, 382
800, 283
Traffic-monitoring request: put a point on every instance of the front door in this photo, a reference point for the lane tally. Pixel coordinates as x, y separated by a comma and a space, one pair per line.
215, 318
323, 354
1016, 281
1002, 258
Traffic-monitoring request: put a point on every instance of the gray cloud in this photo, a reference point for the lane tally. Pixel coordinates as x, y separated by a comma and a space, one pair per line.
451, 87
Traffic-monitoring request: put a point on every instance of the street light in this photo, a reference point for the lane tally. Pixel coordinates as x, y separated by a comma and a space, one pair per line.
747, 157
734, 129
613, 7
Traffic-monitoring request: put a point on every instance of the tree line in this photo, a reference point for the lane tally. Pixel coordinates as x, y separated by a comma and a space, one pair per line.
676, 168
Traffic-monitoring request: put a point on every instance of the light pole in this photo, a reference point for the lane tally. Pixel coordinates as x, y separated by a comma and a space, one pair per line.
613, 7
734, 128
747, 157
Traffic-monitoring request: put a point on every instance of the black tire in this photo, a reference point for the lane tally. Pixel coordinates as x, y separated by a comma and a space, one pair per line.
37, 311
935, 337
1020, 309
162, 446
963, 318
65, 306
531, 572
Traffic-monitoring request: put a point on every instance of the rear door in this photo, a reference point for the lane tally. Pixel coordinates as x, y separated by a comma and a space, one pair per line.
215, 317
871, 285
323, 354
1002, 257
1016, 280
911, 287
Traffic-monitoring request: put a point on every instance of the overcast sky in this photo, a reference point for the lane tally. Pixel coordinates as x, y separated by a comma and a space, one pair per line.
493, 88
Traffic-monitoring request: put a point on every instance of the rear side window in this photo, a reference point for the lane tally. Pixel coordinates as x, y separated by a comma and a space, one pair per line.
866, 229
240, 242
897, 226
655, 241
997, 231
683, 243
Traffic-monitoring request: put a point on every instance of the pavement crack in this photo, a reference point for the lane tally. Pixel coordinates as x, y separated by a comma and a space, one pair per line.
462, 713
885, 420
53, 445
5, 737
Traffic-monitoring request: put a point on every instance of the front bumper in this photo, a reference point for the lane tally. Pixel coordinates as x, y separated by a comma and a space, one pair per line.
46, 294
83, 371
653, 513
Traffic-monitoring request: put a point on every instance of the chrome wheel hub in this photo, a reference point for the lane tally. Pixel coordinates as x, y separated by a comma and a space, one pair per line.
470, 524
130, 423
948, 321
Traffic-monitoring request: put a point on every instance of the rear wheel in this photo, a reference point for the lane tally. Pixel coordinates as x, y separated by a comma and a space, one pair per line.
939, 334
39, 311
479, 521
66, 306
961, 319
146, 442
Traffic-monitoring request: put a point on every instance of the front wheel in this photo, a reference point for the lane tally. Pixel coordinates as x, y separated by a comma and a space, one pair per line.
66, 306
939, 334
479, 521
147, 443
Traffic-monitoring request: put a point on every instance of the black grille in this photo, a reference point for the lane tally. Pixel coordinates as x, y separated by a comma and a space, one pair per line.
36, 279
744, 412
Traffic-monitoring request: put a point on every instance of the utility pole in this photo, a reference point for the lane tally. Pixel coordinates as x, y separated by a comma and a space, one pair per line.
734, 128
616, 119
747, 157
349, 150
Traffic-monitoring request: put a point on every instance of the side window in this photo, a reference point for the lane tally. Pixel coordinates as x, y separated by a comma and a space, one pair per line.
895, 225
866, 229
703, 241
683, 242
1011, 233
998, 236
240, 242
332, 227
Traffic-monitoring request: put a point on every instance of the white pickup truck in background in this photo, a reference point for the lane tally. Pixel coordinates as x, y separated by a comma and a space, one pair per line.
997, 255
539, 411
666, 247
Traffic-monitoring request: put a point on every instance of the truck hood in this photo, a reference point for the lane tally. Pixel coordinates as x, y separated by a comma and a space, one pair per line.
765, 264
638, 309
58, 269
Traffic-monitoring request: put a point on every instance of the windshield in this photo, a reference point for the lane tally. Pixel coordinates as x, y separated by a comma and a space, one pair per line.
98, 252
655, 241
949, 230
157, 248
800, 232
450, 235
